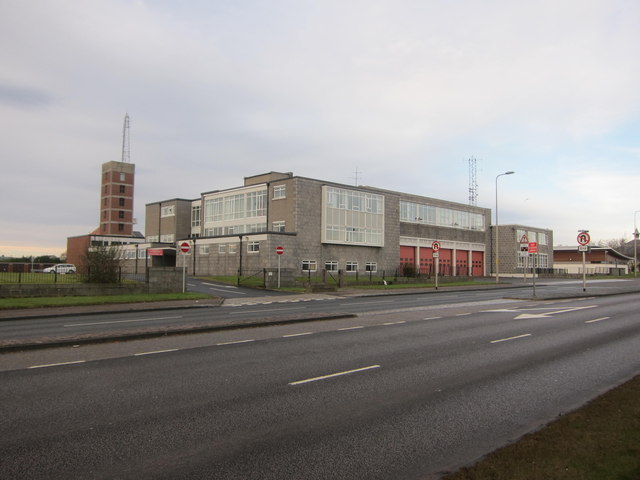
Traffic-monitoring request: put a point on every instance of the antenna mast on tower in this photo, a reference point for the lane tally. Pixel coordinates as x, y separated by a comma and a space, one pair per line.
126, 154
473, 182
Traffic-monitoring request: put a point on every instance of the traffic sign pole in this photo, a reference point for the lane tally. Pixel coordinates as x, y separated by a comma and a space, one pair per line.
185, 248
279, 251
583, 239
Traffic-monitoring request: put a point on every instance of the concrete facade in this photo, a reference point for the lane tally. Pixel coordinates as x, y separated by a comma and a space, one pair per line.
514, 259
322, 225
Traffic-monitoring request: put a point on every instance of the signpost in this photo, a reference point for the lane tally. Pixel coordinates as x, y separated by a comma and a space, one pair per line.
279, 251
436, 254
185, 248
583, 240
533, 251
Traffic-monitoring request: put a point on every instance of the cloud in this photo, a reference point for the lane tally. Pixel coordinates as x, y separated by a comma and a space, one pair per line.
405, 91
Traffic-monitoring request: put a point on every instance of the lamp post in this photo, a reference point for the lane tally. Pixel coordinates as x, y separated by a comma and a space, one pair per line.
496, 229
635, 244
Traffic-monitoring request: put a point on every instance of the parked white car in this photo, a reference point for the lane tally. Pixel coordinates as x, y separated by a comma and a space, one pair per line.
61, 268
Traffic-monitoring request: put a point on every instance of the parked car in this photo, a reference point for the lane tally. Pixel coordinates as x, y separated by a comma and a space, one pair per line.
61, 268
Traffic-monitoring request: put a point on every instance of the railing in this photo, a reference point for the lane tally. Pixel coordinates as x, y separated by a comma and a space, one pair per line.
39, 277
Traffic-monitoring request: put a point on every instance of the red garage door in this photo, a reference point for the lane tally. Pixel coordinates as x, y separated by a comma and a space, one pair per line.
462, 263
407, 257
477, 261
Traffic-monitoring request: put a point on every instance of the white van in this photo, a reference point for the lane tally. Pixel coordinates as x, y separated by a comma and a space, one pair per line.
61, 268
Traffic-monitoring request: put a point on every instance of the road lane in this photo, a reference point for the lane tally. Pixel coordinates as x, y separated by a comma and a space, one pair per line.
439, 391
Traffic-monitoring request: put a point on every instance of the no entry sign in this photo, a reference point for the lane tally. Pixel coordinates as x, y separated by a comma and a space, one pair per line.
185, 247
279, 250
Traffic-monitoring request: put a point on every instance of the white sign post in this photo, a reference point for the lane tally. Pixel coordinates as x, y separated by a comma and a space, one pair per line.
436, 254
279, 251
185, 248
583, 239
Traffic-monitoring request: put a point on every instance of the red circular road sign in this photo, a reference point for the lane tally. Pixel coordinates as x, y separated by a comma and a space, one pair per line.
436, 246
279, 250
185, 247
584, 238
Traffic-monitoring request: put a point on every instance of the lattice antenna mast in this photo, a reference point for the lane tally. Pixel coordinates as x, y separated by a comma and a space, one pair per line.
473, 182
356, 177
126, 153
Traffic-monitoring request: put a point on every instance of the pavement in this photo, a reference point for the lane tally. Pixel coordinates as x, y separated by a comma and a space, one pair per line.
513, 289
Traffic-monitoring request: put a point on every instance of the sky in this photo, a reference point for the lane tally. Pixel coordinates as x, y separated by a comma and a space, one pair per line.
403, 92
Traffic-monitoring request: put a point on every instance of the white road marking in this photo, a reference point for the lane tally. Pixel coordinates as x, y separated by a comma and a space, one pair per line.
216, 285
431, 318
333, 375
235, 343
395, 323
120, 321
350, 328
597, 320
157, 351
270, 310
58, 364
297, 334
511, 338
369, 303
462, 314
546, 315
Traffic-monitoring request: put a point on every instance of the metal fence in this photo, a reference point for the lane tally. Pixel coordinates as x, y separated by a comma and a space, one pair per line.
37, 276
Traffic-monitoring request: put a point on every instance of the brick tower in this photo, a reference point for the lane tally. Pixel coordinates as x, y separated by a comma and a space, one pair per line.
116, 199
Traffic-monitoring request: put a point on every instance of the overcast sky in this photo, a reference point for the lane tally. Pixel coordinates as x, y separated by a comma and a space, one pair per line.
404, 92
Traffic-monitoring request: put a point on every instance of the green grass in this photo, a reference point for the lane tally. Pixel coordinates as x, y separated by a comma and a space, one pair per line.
600, 441
39, 302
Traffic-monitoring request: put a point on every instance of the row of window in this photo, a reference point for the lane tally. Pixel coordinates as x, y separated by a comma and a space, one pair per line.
446, 217
235, 229
525, 262
334, 266
352, 217
233, 207
530, 236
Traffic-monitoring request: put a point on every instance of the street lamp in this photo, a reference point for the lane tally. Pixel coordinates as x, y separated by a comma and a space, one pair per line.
635, 243
496, 229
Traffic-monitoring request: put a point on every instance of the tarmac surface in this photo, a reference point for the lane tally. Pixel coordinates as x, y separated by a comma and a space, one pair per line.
513, 289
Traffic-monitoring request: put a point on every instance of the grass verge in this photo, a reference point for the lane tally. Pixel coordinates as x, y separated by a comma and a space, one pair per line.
600, 441
39, 302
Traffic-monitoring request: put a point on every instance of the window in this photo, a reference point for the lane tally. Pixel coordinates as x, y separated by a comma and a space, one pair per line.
352, 217
431, 215
253, 247
120, 214
121, 227
279, 191
331, 266
371, 267
222, 248
204, 249
195, 216
278, 226
232, 248
309, 266
542, 238
169, 238
352, 267
141, 252
152, 238
165, 211
122, 188
122, 176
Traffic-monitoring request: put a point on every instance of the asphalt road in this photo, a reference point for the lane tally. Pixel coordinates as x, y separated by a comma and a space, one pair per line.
78, 325
396, 394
